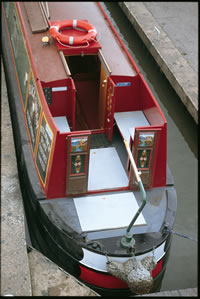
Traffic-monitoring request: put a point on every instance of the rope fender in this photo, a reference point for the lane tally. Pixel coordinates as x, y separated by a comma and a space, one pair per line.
137, 274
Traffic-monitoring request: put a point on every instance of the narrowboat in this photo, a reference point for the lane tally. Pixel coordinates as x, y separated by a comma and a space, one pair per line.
91, 146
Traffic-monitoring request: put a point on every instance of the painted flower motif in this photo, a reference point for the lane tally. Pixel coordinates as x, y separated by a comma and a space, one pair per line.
143, 158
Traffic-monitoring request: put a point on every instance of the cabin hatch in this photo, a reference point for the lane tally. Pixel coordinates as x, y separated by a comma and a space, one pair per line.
90, 79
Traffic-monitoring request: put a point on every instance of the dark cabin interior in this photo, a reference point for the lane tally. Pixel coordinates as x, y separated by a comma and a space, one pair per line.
85, 72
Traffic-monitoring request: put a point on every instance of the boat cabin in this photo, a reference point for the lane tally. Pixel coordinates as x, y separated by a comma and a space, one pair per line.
82, 102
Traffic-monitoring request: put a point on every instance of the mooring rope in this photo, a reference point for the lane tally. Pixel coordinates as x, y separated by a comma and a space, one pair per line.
168, 230
182, 235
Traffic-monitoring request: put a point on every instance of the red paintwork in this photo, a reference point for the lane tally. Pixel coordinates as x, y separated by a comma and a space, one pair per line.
108, 281
93, 48
151, 108
138, 96
101, 280
135, 97
64, 98
87, 90
130, 98
57, 177
157, 269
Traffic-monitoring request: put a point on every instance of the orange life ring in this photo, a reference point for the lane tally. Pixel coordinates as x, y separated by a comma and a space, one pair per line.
90, 35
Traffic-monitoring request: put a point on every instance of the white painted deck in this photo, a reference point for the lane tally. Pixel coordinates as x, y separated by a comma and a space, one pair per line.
106, 170
110, 211
128, 121
62, 124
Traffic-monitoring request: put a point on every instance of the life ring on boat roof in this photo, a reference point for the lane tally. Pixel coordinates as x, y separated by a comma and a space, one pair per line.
90, 34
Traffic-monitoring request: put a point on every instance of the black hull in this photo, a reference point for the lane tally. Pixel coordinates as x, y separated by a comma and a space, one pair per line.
42, 241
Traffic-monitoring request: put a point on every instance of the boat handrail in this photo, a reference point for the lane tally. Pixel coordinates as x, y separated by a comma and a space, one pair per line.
128, 241
65, 63
103, 60
45, 9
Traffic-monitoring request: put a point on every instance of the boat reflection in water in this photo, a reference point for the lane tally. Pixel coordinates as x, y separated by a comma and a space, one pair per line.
91, 144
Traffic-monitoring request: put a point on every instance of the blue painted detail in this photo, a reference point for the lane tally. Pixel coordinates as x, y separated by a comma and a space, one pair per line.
123, 84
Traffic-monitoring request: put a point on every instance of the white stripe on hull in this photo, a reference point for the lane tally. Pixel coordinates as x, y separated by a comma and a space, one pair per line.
98, 261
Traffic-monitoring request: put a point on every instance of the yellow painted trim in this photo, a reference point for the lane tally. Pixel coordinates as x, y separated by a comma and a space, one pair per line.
36, 149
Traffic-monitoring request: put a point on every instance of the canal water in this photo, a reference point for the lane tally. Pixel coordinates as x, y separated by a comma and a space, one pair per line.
182, 139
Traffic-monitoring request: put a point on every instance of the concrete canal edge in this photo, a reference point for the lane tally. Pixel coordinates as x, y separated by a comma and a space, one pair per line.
175, 67
15, 275
49, 280
191, 292
24, 273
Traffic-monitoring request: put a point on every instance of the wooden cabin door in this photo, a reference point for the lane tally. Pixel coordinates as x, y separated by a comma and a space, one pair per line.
104, 74
144, 152
78, 150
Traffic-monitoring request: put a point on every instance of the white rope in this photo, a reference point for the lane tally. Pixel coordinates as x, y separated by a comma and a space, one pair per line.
75, 47
96, 40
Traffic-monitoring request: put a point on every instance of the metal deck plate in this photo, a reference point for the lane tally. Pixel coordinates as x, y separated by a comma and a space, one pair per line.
62, 124
110, 211
106, 170
128, 121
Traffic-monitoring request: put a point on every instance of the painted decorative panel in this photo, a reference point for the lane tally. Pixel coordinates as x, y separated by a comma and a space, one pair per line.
146, 139
79, 144
40, 133
18, 46
44, 148
48, 94
143, 158
78, 164
33, 110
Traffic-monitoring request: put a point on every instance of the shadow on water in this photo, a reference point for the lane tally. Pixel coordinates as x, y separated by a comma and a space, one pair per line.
182, 152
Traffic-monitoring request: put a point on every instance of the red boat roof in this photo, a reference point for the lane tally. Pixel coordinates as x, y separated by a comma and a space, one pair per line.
47, 57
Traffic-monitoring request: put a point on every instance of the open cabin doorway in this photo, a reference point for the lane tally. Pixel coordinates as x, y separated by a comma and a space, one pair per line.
90, 77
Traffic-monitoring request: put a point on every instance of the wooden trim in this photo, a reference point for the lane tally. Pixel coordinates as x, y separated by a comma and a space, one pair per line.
65, 63
36, 17
103, 60
45, 10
